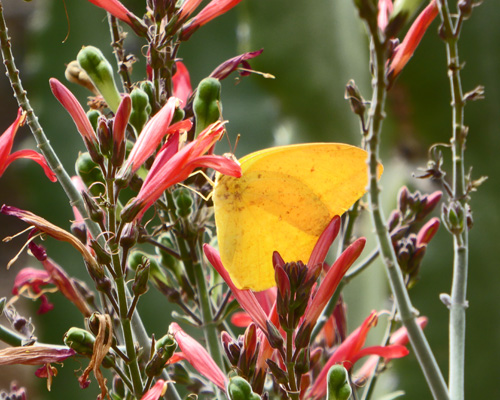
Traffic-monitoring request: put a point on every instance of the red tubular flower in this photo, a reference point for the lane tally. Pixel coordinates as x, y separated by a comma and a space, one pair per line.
118, 10
188, 8
405, 50
182, 82
198, 357
121, 120
151, 136
75, 110
427, 232
6, 143
29, 282
211, 11
156, 391
330, 282
400, 337
246, 298
351, 350
172, 166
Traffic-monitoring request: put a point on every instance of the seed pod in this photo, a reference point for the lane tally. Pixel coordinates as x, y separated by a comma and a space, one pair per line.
91, 174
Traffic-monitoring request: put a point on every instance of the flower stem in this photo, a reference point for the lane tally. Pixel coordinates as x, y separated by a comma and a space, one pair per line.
123, 306
458, 303
190, 249
418, 341
10, 337
43, 144
290, 366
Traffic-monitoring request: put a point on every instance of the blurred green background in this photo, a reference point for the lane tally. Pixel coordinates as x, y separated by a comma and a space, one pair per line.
312, 48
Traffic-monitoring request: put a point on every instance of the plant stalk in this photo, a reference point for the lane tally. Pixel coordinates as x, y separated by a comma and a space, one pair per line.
458, 303
418, 341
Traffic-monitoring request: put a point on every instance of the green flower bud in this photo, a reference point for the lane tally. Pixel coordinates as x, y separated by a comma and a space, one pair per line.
148, 88
80, 340
141, 109
91, 174
165, 348
183, 202
206, 104
93, 116
140, 285
239, 389
100, 73
338, 387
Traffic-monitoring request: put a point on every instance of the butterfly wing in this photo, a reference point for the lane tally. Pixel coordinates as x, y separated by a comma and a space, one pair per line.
283, 201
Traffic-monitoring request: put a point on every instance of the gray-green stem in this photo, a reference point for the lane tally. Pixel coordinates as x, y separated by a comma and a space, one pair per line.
458, 303
418, 341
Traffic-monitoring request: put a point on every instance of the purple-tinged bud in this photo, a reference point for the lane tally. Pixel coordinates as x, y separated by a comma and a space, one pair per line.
433, 200
274, 336
353, 96
303, 363
278, 374
129, 235
393, 220
277, 259
96, 214
102, 256
140, 285
104, 136
282, 282
403, 196
250, 339
465, 8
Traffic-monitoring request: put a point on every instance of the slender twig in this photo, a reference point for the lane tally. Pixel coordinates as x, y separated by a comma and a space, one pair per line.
458, 300
117, 43
10, 337
419, 342
361, 266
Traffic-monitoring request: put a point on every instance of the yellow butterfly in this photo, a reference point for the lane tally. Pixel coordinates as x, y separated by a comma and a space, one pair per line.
283, 201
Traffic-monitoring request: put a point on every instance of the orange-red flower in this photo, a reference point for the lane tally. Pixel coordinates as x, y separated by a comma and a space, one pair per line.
118, 10
351, 350
173, 165
181, 82
6, 143
211, 11
151, 136
405, 50
156, 391
197, 356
